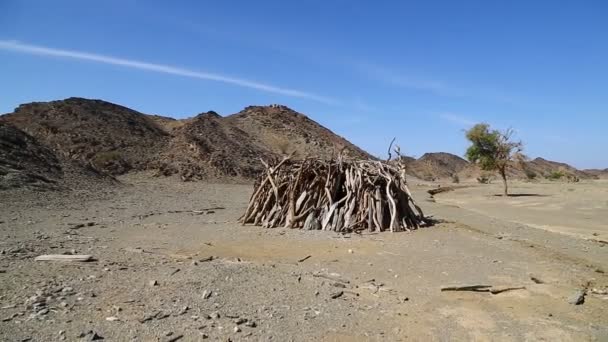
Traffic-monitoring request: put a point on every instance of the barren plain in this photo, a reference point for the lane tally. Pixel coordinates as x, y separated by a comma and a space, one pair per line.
172, 263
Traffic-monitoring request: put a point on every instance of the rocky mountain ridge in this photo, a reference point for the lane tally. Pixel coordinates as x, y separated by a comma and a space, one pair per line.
104, 138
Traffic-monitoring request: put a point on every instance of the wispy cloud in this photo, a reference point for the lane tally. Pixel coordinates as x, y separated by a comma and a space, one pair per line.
391, 77
457, 119
438, 87
160, 68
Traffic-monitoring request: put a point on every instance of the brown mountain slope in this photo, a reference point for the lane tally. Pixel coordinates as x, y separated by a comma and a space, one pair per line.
283, 130
110, 137
543, 167
24, 162
209, 146
537, 168
437, 165
599, 173
115, 139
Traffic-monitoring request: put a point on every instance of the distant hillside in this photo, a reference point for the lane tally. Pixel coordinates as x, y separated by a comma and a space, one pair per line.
283, 130
111, 138
81, 136
543, 167
536, 169
599, 173
115, 139
25, 163
435, 166
209, 146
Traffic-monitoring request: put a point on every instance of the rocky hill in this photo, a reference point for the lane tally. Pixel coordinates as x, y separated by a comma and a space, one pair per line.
447, 166
209, 146
546, 168
284, 131
25, 163
79, 135
437, 165
599, 173
114, 139
111, 138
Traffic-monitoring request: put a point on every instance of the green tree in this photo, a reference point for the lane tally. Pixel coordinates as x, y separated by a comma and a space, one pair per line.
493, 150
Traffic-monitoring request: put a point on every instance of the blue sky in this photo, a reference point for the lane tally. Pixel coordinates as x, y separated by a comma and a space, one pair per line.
420, 71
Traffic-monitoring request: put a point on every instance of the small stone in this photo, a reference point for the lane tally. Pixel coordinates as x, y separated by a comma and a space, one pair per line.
93, 336
337, 294
240, 321
237, 329
350, 251
153, 283
214, 315
578, 297
112, 319
251, 324
207, 294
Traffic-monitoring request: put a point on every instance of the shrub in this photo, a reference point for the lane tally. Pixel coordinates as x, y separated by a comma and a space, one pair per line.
484, 179
555, 175
530, 175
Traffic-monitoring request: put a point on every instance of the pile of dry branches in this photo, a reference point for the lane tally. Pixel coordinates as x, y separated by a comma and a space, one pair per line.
337, 195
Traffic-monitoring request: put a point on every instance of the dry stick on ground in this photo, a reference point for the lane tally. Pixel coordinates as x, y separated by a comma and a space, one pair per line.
338, 195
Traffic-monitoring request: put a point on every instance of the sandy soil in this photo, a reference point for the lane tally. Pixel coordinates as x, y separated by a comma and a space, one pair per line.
152, 280
576, 209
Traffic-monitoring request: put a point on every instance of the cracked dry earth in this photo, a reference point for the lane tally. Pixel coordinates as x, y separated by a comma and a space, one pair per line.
172, 264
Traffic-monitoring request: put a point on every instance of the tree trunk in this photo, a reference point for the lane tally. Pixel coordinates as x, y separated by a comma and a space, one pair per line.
503, 174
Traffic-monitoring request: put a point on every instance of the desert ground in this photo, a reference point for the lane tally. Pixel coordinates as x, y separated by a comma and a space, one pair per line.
172, 263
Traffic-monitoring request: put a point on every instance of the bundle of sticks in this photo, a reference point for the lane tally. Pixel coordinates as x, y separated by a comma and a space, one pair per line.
337, 195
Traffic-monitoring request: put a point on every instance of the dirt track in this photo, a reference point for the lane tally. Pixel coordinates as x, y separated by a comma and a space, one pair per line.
162, 230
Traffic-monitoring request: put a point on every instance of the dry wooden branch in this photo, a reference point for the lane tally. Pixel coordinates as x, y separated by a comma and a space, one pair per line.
337, 195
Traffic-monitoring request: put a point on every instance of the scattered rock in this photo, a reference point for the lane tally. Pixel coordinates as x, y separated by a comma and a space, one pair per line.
578, 297
337, 294
174, 338
536, 280
207, 294
91, 336
237, 329
183, 310
153, 283
112, 319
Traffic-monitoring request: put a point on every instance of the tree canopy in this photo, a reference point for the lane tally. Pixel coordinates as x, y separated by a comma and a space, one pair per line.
492, 149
